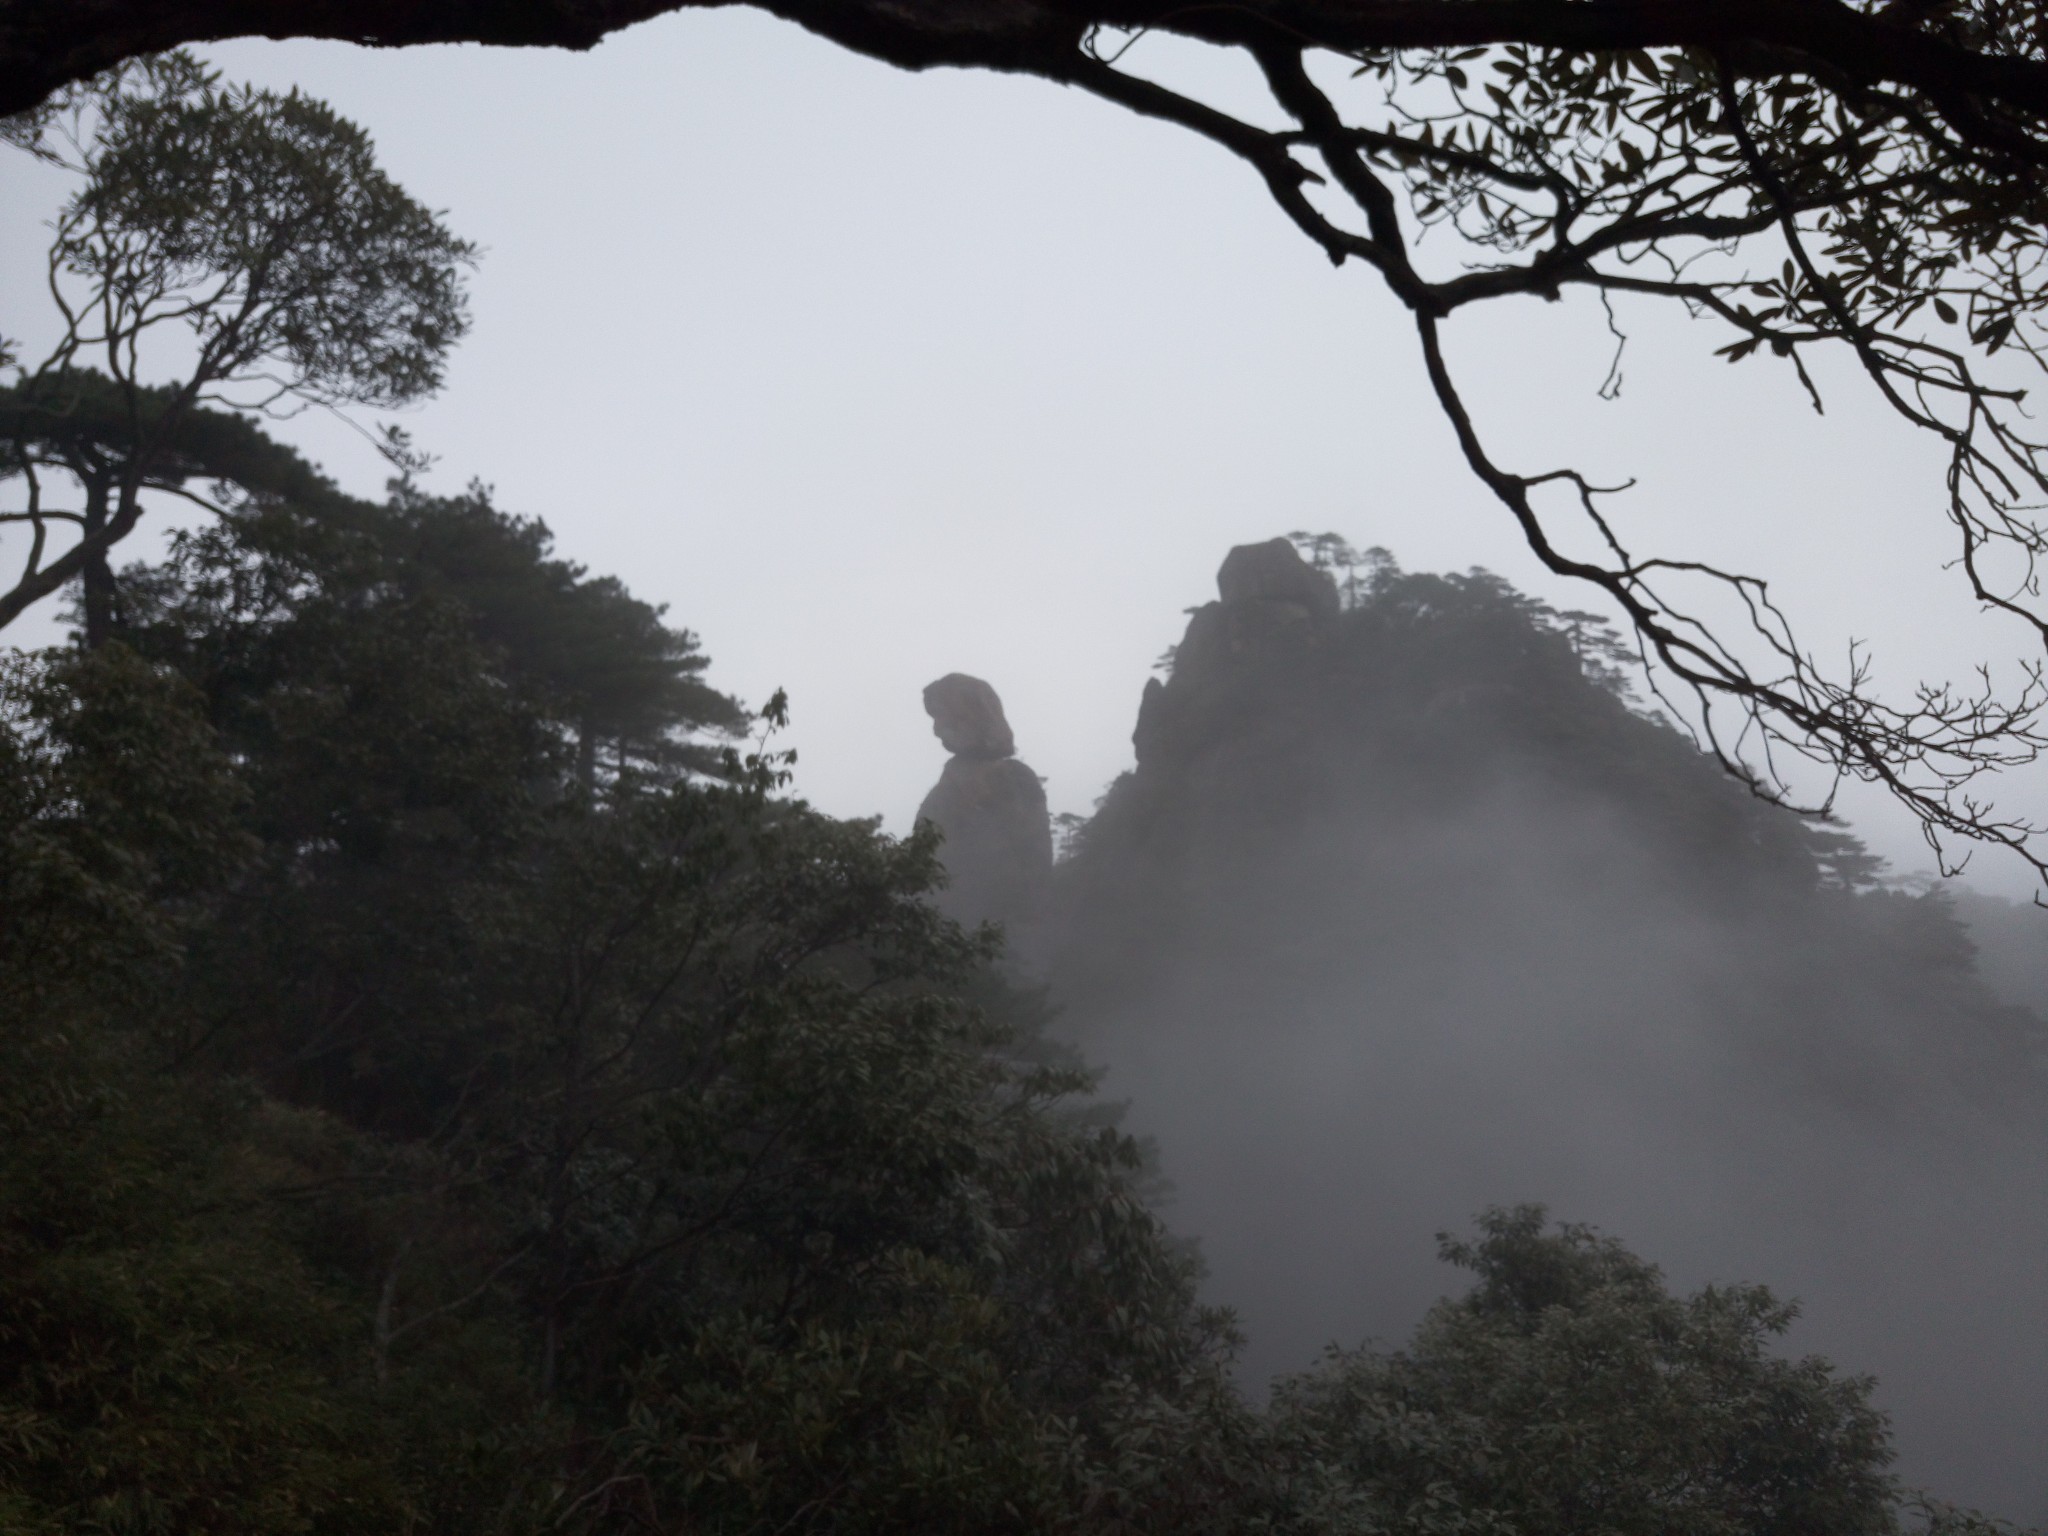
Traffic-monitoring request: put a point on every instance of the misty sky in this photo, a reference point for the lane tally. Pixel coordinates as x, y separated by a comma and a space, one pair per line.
874, 376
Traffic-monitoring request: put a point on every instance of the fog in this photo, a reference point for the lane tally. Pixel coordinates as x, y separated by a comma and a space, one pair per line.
1322, 1126
1387, 929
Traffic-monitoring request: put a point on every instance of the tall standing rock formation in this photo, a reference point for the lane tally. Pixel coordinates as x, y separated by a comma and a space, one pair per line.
1273, 608
989, 806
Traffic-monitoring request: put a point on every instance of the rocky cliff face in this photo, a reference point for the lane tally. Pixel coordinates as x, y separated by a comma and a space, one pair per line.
1405, 911
989, 807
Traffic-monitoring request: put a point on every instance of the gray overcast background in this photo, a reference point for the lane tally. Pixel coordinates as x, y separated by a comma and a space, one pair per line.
874, 376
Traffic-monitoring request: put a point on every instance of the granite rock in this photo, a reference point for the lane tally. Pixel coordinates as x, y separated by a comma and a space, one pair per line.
1275, 572
989, 808
967, 717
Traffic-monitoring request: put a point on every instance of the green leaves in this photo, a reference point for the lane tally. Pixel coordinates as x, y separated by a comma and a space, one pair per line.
263, 223
1567, 1391
119, 813
243, 241
667, 1100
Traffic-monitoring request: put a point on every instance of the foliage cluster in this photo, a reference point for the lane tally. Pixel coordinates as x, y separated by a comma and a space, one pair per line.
249, 242
407, 1131
1567, 1391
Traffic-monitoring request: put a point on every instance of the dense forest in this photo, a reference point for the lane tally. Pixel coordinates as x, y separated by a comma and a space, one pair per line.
450, 1080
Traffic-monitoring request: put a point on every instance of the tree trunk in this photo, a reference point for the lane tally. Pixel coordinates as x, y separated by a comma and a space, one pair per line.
586, 758
44, 46
101, 595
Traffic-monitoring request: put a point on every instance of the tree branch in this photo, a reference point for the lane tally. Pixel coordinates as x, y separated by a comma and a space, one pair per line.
47, 44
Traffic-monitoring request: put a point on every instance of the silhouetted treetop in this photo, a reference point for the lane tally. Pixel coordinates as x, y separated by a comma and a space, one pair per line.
242, 242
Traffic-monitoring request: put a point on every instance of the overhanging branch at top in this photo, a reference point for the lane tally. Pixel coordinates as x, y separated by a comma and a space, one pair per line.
47, 44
